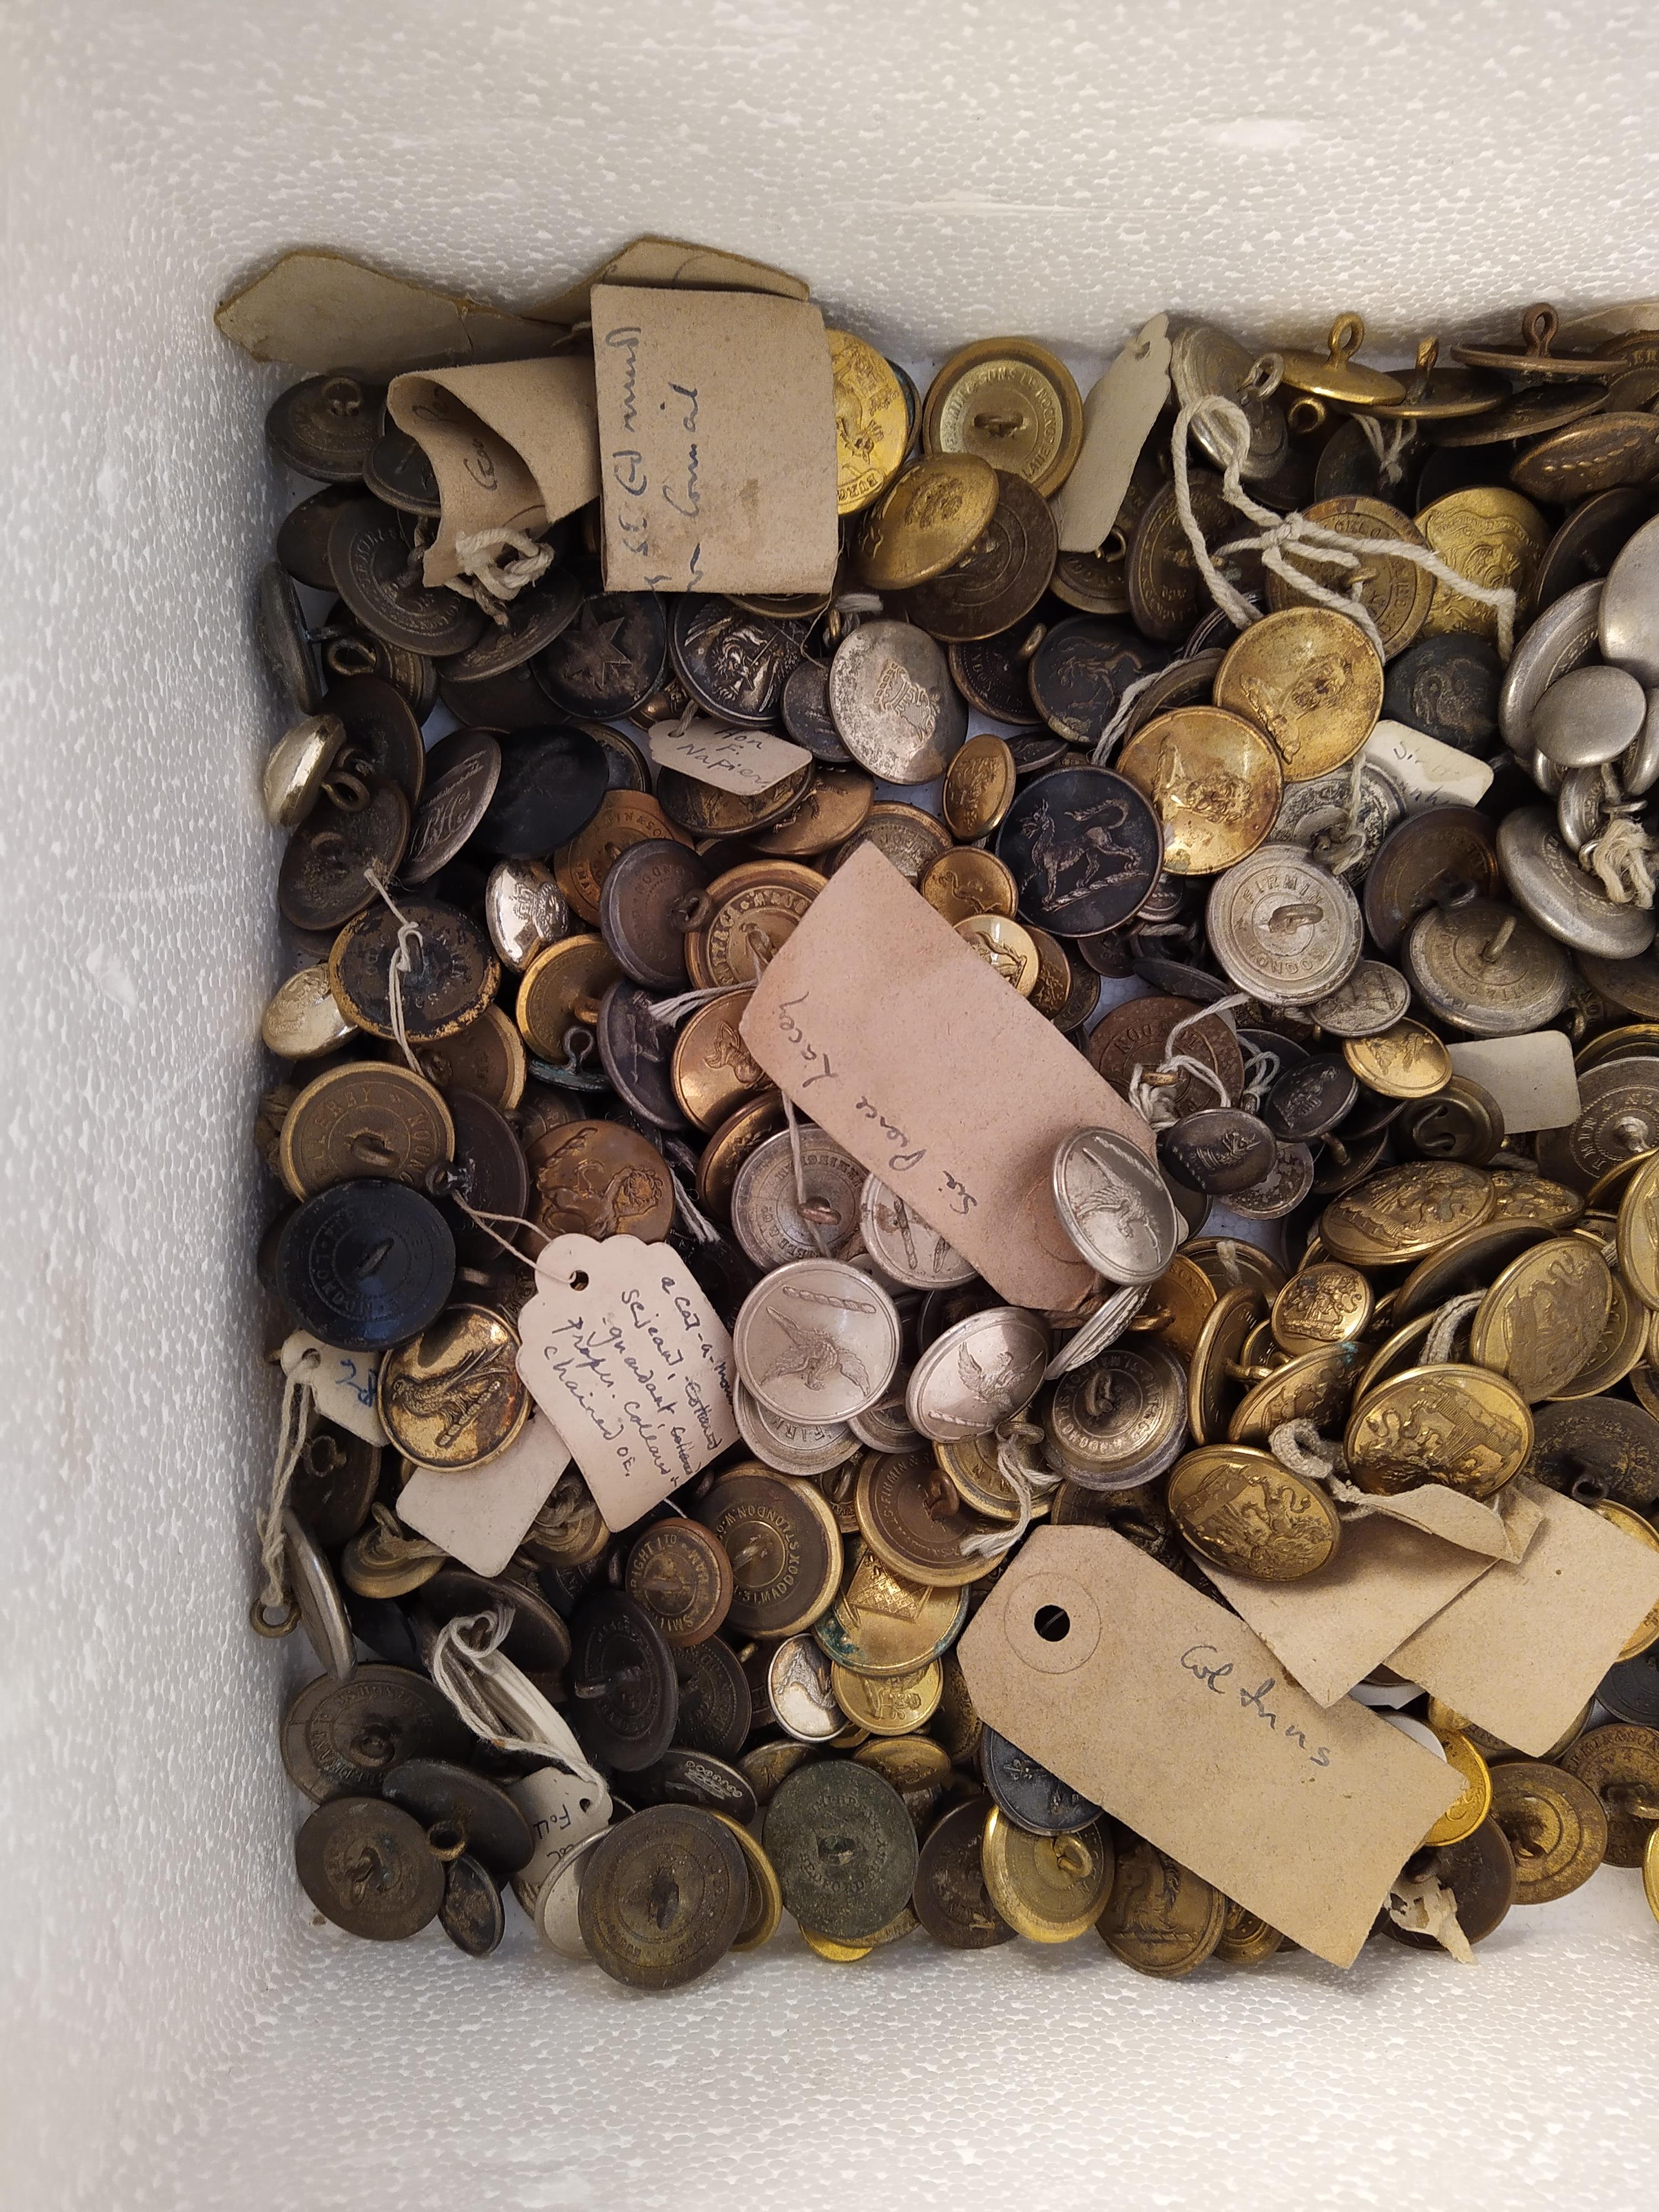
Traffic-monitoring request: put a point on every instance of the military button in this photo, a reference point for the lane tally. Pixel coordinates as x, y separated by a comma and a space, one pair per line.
399, 471
334, 1484
1114, 1206
651, 896
1561, 895
1406, 1061
1213, 1377
1543, 1317
977, 1373
598, 1179
1013, 404
949, 1897
326, 426
296, 772
1161, 1918
884, 1625
749, 914
890, 693
490, 1174
1447, 687
1645, 1634
322, 1616
871, 424
1327, 1302
1458, 1426
1489, 534
1589, 715
807, 1449
451, 1399
1557, 641
439, 1792
664, 1897
682, 1577
1405, 1213
551, 783
784, 1546
767, 1219
303, 1020
1465, 1813
1284, 929
385, 1560
1242, 1510
340, 1739
926, 520
682, 1776
1080, 671
1214, 780
993, 674
609, 658
1308, 1099
888, 1704
1460, 1121
324, 879
1049, 1888
1605, 1442
1000, 578
1394, 593
383, 740
804, 708
368, 1867
1424, 862
450, 976
1311, 679
464, 769
634, 1052
366, 1264
537, 1639
1136, 1033
1555, 1825
800, 1691
715, 1702
1621, 1765
1483, 967
470, 1914
1205, 363
377, 574
1028, 1794
1218, 1149
844, 1847
1120, 1420
903, 1246
704, 812
904, 835
733, 662
302, 536
1479, 1871
911, 1516
622, 1682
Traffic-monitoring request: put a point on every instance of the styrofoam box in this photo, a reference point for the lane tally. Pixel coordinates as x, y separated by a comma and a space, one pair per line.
178, 2032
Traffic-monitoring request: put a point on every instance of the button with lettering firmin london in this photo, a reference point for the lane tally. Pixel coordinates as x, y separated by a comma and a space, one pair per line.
1283, 928
767, 1218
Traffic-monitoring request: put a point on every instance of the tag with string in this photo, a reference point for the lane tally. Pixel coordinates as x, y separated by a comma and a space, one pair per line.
344, 1385
621, 1350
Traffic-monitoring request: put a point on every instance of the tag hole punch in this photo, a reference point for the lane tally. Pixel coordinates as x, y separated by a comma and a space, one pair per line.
1053, 1623
579, 1279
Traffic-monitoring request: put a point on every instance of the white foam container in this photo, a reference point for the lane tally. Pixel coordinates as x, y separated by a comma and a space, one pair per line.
177, 2032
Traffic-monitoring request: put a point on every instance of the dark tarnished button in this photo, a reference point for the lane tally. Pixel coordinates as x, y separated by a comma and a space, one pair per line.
664, 1898
844, 1847
634, 1053
302, 540
470, 1914
478, 1813
378, 574
609, 658
452, 975
536, 1640
326, 426
1608, 1443
490, 1174
1308, 1101
684, 1777
334, 1484
383, 740
1448, 687
1084, 848
804, 706
1219, 1149
340, 1739
949, 1897
366, 1264
682, 1576
732, 662
368, 1867
286, 640
715, 1701
1079, 674
464, 769
1424, 862
623, 1689
533, 620
1479, 1872
1028, 1793
1000, 578
551, 782
399, 471
784, 1546
652, 896
1621, 1766
994, 674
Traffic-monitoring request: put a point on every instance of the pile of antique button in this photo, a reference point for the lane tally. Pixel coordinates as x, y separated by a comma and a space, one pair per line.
1285, 933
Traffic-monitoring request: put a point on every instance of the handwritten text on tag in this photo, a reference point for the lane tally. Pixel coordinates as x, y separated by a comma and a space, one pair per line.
744, 761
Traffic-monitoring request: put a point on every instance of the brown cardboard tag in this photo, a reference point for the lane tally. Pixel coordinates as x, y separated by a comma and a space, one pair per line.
513, 446
717, 440
1501, 1530
662, 262
1163, 1708
1333, 1628
1521, 1651
480, 1514
319, 311
894, 1036
1118, 417
622, 1351
744, 761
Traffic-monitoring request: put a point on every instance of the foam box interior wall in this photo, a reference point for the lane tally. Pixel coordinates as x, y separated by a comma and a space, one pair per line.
177, 2032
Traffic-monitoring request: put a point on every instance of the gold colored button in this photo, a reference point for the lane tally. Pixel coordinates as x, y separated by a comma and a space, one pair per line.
1242, 1510
888, 1704
1049, 1888
979, 787
1406, 1061
1329, 1303
1465, 1813
1462, 1426
451, 1399
1214, 780
367, 1119
871, 423
1010, 401
964, 883
1311, 679
1005, 947
926, 520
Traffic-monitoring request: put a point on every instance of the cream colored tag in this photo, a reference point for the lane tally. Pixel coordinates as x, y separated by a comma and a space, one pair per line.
894, 1036
514, 447
1422, 772
319, 311
717, 441
1118, 417
480, 1514
345, 1384
622, 1351
564, 1811
1532, 1077
1388, 1576
1164, 1709
744, 761
1521, 1651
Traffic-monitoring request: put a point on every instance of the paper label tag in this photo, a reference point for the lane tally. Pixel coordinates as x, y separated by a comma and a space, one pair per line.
1521, 1652
894, 1036
1532, 1077
717, 440
1163, 1708
1118, 418
563, 1811
513, 446
481, 1514
1422, 772
622, 1351
744, 761
1332, 1629
345, 1384
659, 261
1501, 1530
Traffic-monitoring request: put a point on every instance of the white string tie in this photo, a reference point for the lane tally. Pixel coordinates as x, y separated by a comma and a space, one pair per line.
1339, 847
1390, 456
665, 1012
401, 963
293, 1424
1027, 1477
466, 1660
1448, 1320
1151, 1092
486, 579
1621, 860
691, 1214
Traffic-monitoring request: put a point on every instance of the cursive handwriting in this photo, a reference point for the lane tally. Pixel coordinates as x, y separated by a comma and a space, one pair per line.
1205, 1664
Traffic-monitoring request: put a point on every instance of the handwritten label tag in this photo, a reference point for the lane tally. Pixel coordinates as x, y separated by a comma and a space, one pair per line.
717, 441
658, 262
1118, 417
624, 1354
345, 1384
744, 761
513, 446
1532, 1077
897, 1038
1333, 1628
1522, 1650
1422, 772
564, 1811
480, 1514
1162, 1707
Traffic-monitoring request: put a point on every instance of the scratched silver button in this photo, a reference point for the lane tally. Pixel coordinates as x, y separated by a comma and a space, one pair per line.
977, 1374
817, 1342
801, 1447
1562, 638
1116, 1206
1102, 1328
902, 1244
1587, 716
1283, 928
1563, 898
768, 1215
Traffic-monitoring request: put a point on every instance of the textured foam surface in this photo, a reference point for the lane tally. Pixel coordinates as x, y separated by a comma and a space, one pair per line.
176, 2031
